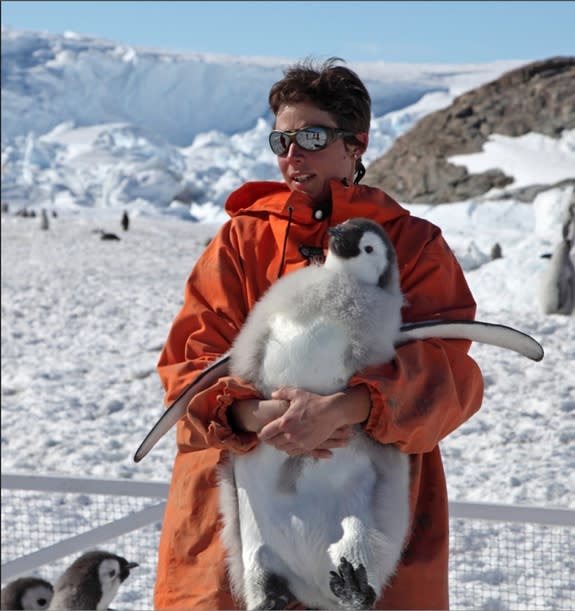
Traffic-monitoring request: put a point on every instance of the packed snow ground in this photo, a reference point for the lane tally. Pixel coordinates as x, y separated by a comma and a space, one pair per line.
83, 322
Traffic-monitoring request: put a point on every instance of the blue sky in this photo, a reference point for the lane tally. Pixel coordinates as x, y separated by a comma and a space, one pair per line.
428, 32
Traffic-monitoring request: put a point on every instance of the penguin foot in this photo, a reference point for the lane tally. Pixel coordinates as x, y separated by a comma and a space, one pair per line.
350, 585
277, 594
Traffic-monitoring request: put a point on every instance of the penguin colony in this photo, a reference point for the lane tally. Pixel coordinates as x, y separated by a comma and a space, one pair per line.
329, 532
90, 582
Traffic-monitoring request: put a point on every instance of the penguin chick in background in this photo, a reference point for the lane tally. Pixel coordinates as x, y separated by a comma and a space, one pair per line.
558, 283
27, 593
91, 581
325, 532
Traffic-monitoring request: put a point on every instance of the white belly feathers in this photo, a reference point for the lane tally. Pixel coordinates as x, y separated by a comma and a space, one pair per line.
310, 356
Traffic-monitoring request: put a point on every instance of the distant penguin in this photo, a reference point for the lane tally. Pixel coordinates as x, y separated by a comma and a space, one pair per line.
326, 532
44, 222
558, 283
125, 221
27, 593
496, 252
105, 235
91, 581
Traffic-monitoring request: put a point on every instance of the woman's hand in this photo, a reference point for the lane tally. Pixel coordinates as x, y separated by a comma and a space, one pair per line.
314, 424
253, 414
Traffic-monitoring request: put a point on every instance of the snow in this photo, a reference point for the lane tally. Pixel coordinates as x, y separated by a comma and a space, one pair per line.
84, 320
520, 155
192, 124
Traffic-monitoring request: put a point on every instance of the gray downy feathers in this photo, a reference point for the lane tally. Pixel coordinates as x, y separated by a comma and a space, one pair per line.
91, 581
27, 593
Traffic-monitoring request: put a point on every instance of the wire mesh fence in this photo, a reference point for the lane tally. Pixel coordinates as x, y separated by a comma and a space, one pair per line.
505, 565
497, 562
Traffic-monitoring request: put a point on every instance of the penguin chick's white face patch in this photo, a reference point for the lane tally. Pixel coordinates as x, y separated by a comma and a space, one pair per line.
37, 597
110, 580
369, 261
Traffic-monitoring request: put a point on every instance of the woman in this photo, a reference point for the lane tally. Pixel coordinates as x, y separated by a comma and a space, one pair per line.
322, 117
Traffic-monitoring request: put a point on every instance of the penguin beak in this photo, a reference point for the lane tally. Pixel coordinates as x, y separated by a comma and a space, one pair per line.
125, 572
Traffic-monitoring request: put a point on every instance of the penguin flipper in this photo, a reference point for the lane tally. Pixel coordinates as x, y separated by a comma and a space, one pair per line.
472, 330
476, 331
211, 374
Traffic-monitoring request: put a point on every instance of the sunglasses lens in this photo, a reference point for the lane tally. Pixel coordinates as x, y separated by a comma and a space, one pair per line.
279, 142
312, 138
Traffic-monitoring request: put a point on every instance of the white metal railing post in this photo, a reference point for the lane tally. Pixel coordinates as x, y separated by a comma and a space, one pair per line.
52, 483
550, 516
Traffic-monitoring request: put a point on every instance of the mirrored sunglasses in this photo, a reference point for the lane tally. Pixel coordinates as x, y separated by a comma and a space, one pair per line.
314, 138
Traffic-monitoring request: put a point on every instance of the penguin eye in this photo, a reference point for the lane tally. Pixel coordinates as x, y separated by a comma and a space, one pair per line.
368, 249
42, 601
112, 573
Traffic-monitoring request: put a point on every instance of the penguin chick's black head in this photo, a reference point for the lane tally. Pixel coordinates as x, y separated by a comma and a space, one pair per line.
91, 581
350, 241
345, 237
27, 593
90, 562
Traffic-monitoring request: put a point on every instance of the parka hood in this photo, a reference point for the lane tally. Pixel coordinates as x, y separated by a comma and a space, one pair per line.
263, 198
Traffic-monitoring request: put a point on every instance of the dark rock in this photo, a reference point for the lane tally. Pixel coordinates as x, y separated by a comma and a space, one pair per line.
538, 97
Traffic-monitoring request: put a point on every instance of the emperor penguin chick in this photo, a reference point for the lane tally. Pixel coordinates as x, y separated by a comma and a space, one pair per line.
327, 533
558, 283
27, 593
91, 581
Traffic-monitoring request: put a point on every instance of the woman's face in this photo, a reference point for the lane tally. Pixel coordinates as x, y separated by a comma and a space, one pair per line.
309, 172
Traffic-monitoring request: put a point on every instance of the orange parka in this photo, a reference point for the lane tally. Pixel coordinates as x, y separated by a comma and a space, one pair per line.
428, 390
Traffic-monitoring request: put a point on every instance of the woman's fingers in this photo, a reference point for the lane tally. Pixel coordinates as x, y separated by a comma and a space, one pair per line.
338, 439
344, 432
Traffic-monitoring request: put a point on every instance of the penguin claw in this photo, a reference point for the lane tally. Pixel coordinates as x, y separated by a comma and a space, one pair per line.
277, 593
351, 587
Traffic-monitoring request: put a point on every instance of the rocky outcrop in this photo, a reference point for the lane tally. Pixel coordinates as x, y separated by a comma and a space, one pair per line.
538, 97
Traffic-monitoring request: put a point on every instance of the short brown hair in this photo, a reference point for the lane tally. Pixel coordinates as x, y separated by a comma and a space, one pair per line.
332, 88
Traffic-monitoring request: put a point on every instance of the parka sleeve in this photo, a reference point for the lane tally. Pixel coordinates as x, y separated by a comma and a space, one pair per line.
212, 314
431, 386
